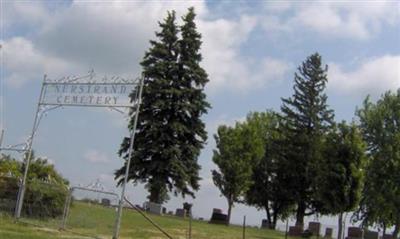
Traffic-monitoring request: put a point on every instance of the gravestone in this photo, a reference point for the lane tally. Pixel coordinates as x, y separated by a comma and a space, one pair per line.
354, 233
295, 231
180, 212
371, 235
105, 202
218, 217
146, 206
314, 228
170, 213
264, 223
139, 207
217, 210
155, 208
188, 208
387, 236
328, 232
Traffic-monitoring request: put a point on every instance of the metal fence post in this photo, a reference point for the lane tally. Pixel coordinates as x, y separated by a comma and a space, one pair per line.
287, 226
28, 155
190, 226
66, 208
244, 227
128, 161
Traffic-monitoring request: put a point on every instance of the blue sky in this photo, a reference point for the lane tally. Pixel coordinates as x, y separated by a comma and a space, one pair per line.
251, 50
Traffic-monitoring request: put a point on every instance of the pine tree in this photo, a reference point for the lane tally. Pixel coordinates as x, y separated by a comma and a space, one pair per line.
170, 133
306, 117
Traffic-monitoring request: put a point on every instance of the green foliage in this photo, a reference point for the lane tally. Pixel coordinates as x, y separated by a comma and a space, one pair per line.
170, 132
10, 167
340, 181
238, 149
45, 192
380, 124
266, 191
305, 119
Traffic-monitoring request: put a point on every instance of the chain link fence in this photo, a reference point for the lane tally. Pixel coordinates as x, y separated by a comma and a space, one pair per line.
90, 212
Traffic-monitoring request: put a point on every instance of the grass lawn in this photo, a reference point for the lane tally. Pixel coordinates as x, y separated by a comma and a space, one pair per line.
94, 221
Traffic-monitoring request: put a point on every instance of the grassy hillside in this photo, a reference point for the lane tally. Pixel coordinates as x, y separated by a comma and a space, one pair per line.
93, 221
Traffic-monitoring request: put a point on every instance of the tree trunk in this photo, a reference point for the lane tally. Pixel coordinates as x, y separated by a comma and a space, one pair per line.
230, 203
340, 226
154, 196
384, 228
274, 219
301, 209
268, 216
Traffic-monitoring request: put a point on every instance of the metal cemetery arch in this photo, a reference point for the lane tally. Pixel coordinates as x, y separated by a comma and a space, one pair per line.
85, 91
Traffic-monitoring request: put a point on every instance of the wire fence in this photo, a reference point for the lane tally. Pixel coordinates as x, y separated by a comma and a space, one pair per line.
90, 211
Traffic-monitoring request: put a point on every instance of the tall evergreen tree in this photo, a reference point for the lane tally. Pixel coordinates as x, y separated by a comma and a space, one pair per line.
306, 117
170, 132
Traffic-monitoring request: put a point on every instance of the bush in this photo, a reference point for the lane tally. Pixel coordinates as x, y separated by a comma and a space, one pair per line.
42, 200
46, 189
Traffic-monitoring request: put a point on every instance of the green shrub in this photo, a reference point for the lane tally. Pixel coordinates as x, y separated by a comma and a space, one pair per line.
46, 189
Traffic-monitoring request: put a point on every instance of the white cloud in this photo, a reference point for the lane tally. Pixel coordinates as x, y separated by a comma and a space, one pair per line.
23, 62
223, 119
355, 20
112, 38
23, 13
374, 76
95, 156
222, 59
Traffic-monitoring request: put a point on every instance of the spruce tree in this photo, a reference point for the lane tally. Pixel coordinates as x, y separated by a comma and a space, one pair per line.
170, 132
306, 117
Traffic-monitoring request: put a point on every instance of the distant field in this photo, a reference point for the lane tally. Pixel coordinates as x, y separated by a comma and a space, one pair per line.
93, 221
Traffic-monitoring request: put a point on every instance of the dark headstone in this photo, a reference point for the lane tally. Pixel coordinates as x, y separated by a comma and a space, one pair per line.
264, 223
371, 235
217, 210
139, 207
180, 212
306, 234
188, 208
314, 228
106, 202
170, 213
219, 218
328, 232
164, 210
354, 233
295, 231
387, 236
201, 219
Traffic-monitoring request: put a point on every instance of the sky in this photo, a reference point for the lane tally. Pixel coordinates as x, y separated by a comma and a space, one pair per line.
251, 50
